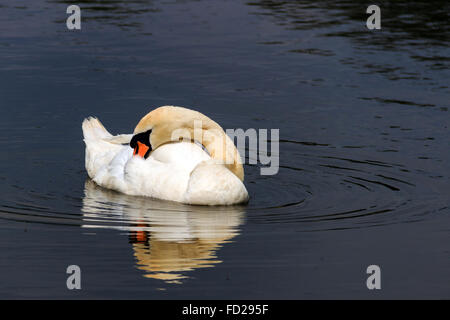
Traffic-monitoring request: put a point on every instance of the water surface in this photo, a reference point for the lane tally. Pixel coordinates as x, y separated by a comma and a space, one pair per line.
364, 150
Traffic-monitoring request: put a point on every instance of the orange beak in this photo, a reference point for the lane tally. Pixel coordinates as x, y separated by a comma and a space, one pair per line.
141, 236
140, 150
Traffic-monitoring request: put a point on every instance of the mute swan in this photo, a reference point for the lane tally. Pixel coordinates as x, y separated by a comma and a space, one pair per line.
174, 154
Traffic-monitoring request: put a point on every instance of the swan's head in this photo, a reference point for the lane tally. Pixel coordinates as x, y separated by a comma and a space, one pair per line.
141, 144
168, 124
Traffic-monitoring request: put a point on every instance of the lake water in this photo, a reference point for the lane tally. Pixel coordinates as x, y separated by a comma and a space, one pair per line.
364, 174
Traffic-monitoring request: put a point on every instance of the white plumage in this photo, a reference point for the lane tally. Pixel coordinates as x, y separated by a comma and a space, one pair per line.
177, 171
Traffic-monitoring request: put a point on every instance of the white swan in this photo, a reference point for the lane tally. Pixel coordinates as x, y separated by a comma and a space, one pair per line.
169, 161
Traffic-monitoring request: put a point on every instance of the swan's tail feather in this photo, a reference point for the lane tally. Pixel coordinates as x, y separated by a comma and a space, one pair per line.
94, 130
101, 146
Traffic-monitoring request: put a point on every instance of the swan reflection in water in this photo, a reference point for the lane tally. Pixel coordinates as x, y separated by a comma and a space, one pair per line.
168, 239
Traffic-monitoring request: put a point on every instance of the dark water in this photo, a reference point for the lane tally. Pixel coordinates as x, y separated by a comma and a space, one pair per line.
364, 153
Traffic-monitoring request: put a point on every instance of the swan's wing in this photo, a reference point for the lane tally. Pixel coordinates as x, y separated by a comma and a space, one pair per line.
184, 155
214, 184
163, 175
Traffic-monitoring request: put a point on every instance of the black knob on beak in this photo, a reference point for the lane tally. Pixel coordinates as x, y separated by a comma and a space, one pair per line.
141, 144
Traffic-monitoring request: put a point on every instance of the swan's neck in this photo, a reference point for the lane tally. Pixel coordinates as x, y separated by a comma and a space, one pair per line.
219, 146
